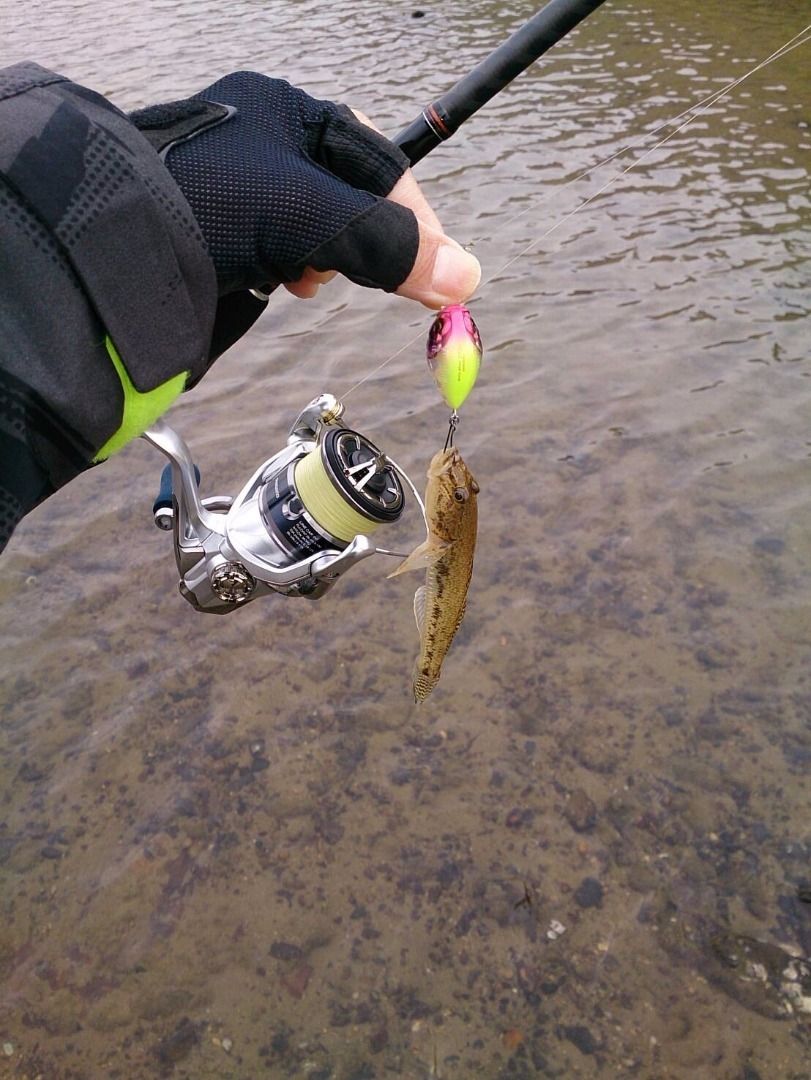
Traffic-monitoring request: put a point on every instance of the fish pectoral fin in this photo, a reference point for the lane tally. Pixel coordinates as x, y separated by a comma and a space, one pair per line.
419, 608
428, 552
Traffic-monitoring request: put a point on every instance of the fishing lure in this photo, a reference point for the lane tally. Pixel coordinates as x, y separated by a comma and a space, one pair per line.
454, 354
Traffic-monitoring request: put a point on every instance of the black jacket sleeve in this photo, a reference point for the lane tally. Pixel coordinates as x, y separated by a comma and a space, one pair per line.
97, 244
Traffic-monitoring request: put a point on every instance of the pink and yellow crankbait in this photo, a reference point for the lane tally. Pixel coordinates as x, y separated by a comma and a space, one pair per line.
454, 354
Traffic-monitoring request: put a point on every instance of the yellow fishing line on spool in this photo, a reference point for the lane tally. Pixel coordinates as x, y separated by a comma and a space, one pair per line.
334, 514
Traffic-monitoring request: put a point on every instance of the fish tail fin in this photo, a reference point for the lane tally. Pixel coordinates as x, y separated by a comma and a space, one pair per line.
423, 684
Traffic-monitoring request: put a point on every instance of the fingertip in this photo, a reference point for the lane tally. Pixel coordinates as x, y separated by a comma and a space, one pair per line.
456, 275
444, 272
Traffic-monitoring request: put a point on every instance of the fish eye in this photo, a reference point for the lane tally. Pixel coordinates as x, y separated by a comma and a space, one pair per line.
461, 494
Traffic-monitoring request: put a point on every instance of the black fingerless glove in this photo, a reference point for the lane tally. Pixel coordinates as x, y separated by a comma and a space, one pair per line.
279, 181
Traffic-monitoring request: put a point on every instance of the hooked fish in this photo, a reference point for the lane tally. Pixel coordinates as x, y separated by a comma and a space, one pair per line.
447, 557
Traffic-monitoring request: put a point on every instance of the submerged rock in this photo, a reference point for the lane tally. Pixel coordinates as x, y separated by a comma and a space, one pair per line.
581, 1037
589, 893
580, 811
178, 1044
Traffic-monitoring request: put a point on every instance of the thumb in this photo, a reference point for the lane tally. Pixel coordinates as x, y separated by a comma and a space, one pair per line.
443, 272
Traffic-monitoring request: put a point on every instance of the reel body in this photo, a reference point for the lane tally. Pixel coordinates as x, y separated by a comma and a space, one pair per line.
301, 521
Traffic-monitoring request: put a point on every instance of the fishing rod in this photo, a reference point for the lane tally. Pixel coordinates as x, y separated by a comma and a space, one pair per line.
306, 514
439, 120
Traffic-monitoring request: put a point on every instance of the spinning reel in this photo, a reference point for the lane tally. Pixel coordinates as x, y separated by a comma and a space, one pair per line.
301, 521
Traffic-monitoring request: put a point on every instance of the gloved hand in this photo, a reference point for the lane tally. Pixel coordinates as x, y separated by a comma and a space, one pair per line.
286, 187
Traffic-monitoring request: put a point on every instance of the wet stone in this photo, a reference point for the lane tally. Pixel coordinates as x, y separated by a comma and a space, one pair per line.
31, 773
330, 831
672, 715
341, 1014
321, 666
714, 657
295, 981
218, 751
580, 811
589, 893
285, 950
772, 545
379, 1039
365, 1072
179, 1044
582, 1038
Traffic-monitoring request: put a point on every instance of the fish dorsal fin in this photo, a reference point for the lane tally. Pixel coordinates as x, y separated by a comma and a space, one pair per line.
428, 552
419, 608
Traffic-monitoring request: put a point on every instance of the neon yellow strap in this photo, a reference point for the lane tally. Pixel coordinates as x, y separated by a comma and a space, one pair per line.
140, 410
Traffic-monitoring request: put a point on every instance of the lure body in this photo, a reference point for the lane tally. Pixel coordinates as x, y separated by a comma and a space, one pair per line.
447, 558
454, 353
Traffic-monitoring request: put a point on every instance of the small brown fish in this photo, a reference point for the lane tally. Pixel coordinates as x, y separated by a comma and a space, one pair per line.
447, 557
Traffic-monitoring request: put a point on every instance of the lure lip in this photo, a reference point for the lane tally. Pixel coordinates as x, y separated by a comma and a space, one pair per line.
454, 353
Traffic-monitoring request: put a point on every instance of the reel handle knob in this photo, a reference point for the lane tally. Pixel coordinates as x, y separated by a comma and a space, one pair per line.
163, 506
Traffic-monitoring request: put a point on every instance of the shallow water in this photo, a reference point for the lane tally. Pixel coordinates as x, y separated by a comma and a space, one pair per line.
231, 847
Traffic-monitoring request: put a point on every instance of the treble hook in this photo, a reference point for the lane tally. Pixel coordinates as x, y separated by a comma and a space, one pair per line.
453, 424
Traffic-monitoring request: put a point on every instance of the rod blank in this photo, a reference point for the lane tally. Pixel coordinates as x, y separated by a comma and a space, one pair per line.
439, 120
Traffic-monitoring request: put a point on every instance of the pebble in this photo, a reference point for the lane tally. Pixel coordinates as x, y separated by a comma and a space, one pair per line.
285, 950
379, 1039
31, 773
580, 811
582, 1038
773, 545
511, 1039
589, 893
8, 1049
555, 930
518, 817
295, 981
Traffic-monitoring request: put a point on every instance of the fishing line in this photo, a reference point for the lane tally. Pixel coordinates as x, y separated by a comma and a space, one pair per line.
702, 106
687, 116
690, 114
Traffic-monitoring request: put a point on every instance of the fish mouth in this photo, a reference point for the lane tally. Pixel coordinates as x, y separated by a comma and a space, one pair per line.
442, 462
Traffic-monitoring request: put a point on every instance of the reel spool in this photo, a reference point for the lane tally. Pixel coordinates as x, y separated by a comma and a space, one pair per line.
342, 488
